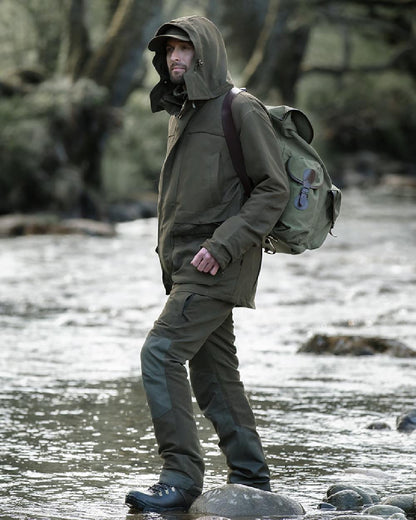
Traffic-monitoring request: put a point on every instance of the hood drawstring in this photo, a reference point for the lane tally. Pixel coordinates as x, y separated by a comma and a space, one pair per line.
184, 107
182, 110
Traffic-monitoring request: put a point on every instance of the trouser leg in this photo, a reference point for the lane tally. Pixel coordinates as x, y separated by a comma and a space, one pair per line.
220, 394
182, 328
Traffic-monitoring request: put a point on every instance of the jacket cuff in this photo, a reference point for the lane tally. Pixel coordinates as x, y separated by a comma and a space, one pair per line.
219, 253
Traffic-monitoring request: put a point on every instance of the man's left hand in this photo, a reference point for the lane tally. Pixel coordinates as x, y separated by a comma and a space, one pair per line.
205, 262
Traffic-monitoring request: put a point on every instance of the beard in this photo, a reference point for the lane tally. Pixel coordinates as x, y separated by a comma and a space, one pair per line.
177, 80
176, 76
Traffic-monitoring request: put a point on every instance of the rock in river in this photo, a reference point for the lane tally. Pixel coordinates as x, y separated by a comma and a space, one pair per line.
383, 510
378, 425
233, 500
356, 346
346, 500
407, 421
348, 497
407, 502
18, 225
368, 517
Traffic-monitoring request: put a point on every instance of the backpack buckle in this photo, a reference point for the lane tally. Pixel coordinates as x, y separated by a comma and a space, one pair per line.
301, 200
269, 246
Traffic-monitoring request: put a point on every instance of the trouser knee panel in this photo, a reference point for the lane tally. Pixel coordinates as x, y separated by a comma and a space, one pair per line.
153, 356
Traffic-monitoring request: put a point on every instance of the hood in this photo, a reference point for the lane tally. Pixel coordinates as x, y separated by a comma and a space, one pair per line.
208, 78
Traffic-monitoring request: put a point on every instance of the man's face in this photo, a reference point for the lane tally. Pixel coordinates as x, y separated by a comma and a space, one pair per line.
179, 56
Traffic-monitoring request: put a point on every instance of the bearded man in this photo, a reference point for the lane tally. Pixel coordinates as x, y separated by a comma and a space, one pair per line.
210, 248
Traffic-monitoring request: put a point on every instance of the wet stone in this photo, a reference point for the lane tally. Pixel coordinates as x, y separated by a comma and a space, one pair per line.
342, 345
359, 517
212, 517
382, 510
407, 422
367, 494
407, 502
398, 516
378, 425
21, 225
237, 500
326, 506
346, 500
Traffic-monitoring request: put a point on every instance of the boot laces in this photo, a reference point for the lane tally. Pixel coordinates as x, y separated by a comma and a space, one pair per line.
160, 489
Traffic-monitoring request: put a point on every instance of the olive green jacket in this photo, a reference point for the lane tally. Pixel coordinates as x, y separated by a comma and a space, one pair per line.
201, 199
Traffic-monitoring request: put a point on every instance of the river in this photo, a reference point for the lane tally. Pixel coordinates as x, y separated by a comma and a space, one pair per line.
74, 427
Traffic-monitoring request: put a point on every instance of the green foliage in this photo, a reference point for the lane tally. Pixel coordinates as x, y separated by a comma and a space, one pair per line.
23, 181
134, 155
33, 153
375, 113
24, 137
54, 135
31, 33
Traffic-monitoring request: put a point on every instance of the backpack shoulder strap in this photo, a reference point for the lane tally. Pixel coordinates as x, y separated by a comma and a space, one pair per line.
233, 140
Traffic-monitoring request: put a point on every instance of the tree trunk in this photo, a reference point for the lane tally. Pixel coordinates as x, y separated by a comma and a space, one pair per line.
241, 27
259, 50
115, 63
278, 66
260, 34
79, 42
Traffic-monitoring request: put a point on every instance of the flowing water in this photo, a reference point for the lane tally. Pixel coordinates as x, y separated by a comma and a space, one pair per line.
75, 432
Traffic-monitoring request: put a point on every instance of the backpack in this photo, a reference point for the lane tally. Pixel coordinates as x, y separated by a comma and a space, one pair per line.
314, 202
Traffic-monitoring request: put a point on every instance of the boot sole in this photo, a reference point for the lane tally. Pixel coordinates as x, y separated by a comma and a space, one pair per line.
140, 507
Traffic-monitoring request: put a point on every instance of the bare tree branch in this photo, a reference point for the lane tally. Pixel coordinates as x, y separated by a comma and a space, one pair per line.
79, 49
261, 43
115, 62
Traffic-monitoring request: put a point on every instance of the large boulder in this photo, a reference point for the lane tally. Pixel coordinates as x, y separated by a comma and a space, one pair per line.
233, 500
343, 345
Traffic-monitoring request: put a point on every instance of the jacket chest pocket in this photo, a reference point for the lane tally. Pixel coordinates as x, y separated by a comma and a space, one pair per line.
199, 181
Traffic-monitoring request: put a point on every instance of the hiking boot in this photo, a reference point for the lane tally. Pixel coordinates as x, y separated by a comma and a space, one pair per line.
160, 497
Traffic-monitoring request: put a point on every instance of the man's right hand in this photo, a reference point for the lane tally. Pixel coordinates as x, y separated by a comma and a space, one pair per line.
205, 262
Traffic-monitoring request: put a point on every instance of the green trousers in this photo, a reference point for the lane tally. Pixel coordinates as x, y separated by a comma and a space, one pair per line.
199, 330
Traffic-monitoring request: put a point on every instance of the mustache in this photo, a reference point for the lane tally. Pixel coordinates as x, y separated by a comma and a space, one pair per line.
174, 65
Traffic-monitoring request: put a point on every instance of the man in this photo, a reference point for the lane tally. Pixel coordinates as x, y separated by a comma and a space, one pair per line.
209, 246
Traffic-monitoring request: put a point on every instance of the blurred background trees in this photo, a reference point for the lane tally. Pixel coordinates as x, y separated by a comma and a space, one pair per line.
76, 131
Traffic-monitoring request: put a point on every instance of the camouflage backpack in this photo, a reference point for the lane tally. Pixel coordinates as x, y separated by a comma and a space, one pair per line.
314, 202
